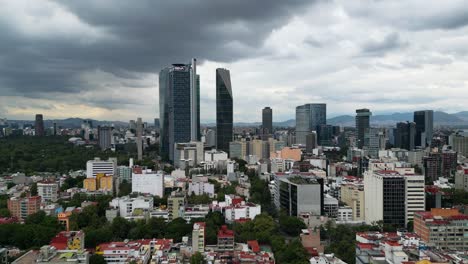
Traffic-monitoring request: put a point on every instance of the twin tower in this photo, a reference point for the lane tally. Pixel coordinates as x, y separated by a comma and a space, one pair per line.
179, 107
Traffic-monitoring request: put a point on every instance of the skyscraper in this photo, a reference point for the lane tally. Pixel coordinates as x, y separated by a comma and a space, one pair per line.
267, 120
104, 136
405, 133
139, 134
179, 99
39, 125
224, 110
308, 118
424, 127
362, 124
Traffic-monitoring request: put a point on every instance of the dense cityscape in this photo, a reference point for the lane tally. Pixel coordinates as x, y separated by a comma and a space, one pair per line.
212, 132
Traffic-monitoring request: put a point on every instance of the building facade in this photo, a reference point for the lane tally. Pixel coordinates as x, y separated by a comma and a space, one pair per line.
362, 124
39, 126
267, 120
148, 183
424, 127
224, 110
48, 191
308, 118
22, 207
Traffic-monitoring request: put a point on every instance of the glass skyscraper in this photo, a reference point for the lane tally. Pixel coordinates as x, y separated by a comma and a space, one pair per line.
224, 110
267, 120
362, 125
177, 108
424, 127
309, 117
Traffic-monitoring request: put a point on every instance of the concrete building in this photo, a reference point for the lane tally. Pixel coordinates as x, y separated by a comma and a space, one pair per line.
459, 143
461, 178
126, 252
139, 138
374, 140
288, 153
198, 237
353, 196
124, 173
174, 204
105, 137
130, 207
238, 149
225, 239
148, 182
190, 154
39, 126
362, 125
311, 141
215, 155
442, 228
296, 194
330, 206
48, 191
93, 167
241, 211
393, 196
224, 109
424, 127
199, 188
22, 207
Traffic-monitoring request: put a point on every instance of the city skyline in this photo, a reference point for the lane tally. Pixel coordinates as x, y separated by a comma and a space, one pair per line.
293, 53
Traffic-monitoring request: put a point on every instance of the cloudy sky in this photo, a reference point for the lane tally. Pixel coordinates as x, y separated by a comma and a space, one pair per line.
100, 59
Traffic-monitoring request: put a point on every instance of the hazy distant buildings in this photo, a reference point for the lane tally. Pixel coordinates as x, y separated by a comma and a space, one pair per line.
104, 136
39, 125
362, 124
405, 134
311, 142
224, 110
308, 118
459, 143
179, 91
139, 139
267, 120
424, 127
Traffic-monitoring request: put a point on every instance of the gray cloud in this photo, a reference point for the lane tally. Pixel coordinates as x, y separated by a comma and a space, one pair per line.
391, 42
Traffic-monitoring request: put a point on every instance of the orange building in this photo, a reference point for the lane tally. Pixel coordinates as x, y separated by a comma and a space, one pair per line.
101, 182
90, 184
22, 207
287, 153
105, 183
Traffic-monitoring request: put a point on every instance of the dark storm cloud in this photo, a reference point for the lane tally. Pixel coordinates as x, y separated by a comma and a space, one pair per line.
390, 42
134, 38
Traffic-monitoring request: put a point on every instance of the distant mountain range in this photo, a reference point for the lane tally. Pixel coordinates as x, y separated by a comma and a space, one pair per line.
440, 118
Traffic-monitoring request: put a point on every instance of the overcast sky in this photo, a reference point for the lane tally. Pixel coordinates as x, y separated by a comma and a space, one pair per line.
100, 59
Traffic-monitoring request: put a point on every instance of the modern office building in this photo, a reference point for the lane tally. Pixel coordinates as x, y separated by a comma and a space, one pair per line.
325, 135
224, 110
105, 137
374, 140
39, 126
362, 124
311, 141
96, 166
393, 196
424, 127
308, 118
267, 120
296, 194
179, 102
148, 182
405, 135
22, 207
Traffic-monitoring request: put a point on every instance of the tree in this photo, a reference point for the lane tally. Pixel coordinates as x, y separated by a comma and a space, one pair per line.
291, 225
10, 185
120, 227
97, 259
197, 258
4, 212
125, 188
34, 189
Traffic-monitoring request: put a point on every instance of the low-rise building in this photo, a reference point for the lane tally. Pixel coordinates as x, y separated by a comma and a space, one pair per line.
225, 239
241, 211
125, 252
200, 187
133, 207
148, 182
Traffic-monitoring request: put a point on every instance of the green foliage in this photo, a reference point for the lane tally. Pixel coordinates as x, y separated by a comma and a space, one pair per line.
293, 252
125, 188
10, 185
97, 259
37, 231
34, 189
241, 164
460, 197
199, 199
213, 221
4, 212
291, 225
197, 258
72, 182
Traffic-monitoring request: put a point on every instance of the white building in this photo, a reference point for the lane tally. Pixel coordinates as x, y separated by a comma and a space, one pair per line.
48, 191
93, 167
242, 211
190, 153
199, 188
148, 183
393, 196
129, 207
126, 252
215, 155
345, 214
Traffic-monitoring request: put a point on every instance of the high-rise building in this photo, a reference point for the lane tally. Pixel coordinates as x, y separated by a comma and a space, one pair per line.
55, 129
459, 143
393, 196
48, 191
22, 207
198, 237
39, 125
424, 127
308, 118
96, 166
362, 124
374, 140
156, 123
353, 196
190, 153
325, 135
439, 164
224, 110
105, 137
179, 102
267, 120
404, 135
174, 203
311, 142
139, 138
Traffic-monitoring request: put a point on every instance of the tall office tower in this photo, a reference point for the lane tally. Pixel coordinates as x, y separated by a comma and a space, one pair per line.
224, 110
104, 136
139, 138
267, 120
55, 129
309, 117
404, 134
39, 125
179, 101
374, 140
424, 127
362, 124
311, 142
156, 122
393, 196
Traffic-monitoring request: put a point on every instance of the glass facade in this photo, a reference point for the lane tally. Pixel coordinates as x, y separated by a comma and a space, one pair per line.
362, 124
224, 110
309, 117
267, 120
394, 201
424, 127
